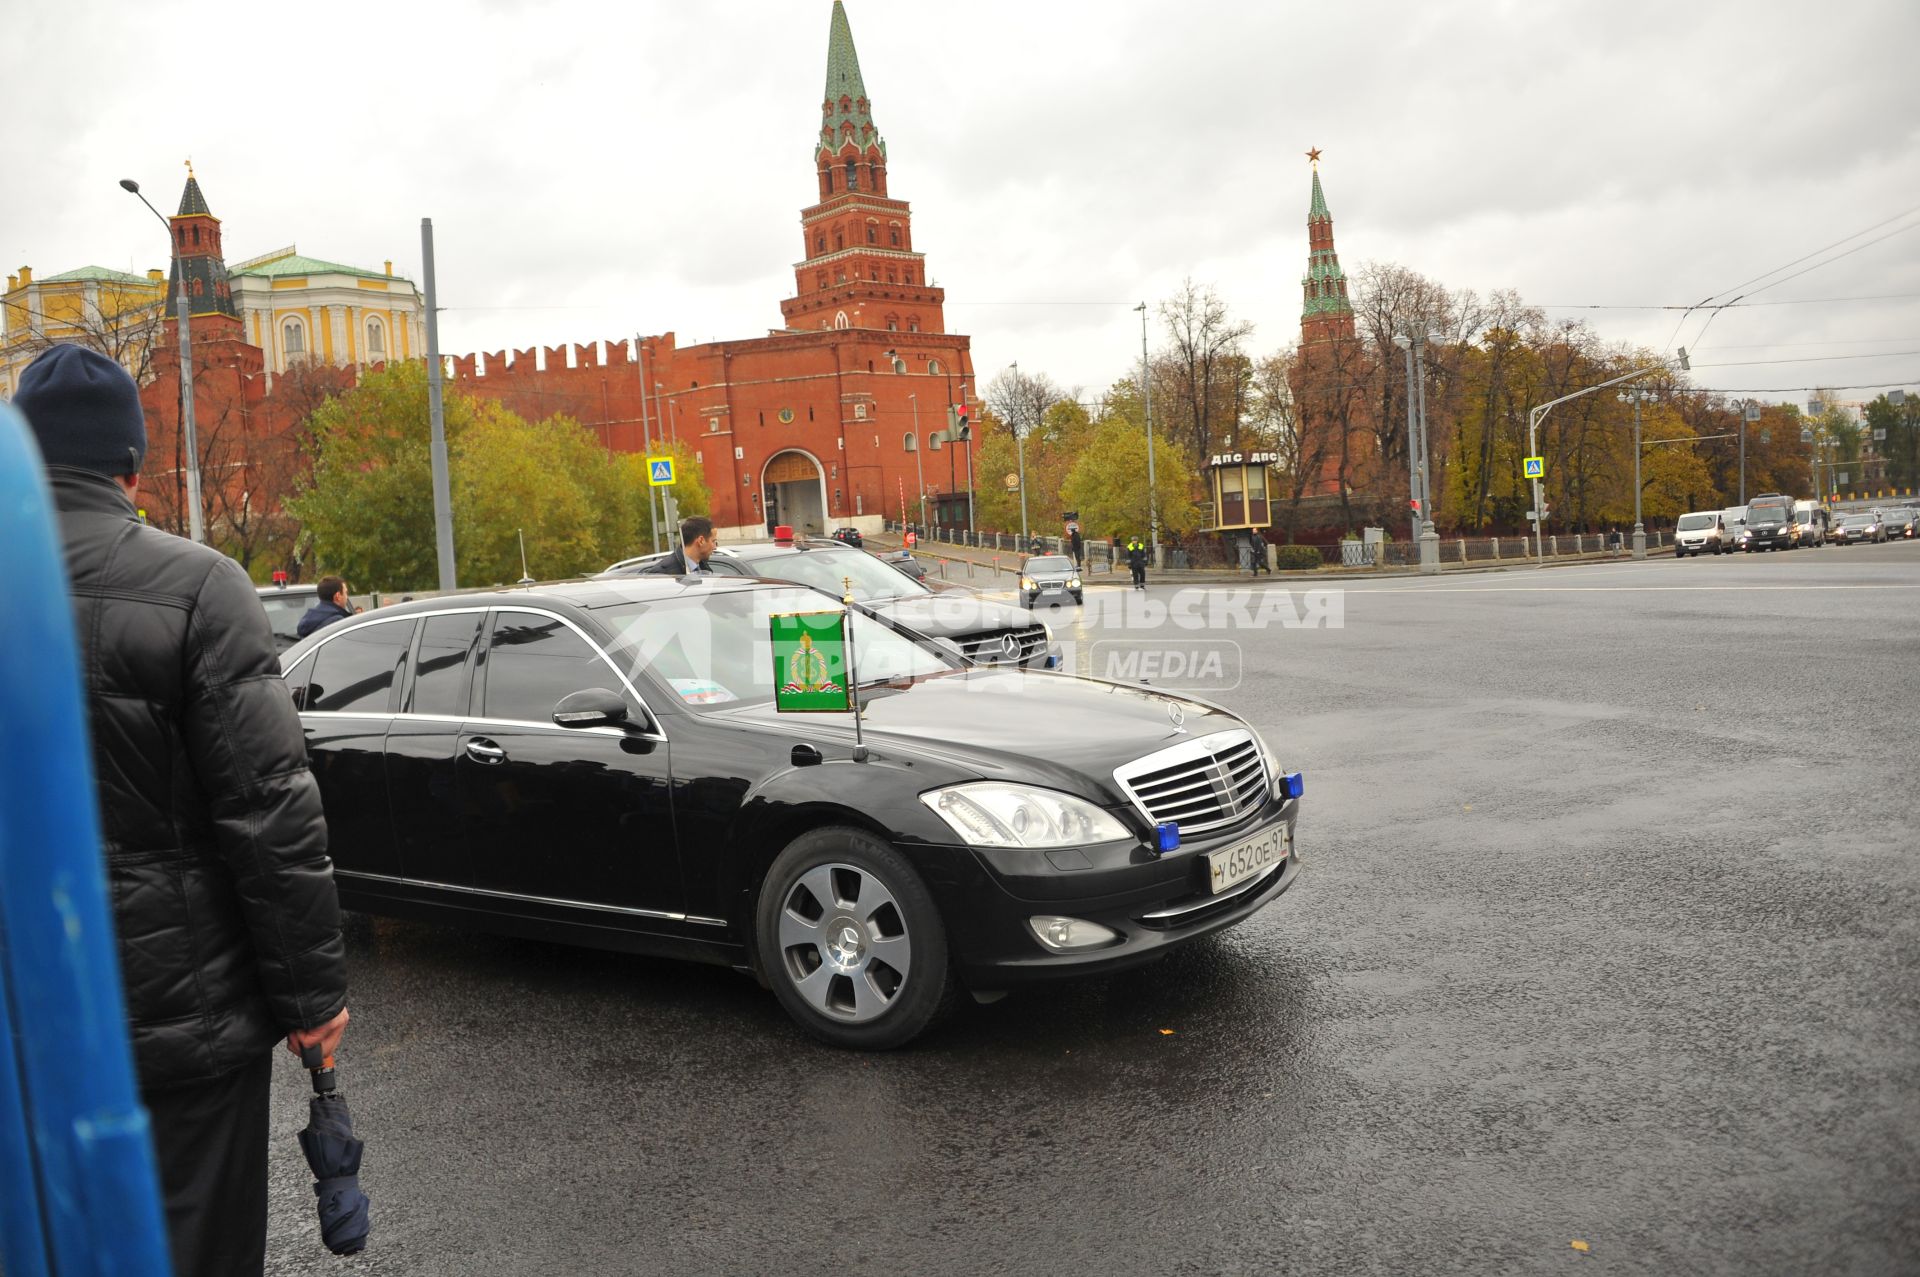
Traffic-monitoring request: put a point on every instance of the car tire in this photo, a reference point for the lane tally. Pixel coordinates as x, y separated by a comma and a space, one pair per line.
850, 940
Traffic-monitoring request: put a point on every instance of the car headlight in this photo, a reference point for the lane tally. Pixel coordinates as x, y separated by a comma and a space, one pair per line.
997, 814
1026, 583
1074, 584
1273, 760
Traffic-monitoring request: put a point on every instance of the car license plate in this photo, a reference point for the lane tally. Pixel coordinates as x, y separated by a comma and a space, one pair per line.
1236, 864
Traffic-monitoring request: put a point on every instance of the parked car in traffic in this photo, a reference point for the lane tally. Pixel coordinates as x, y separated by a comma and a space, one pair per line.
601, 763
1733, 521
1051, 579
1699, 532
1813, 521
1855, 527
285, 605
983, 629
850, 536
1770, 523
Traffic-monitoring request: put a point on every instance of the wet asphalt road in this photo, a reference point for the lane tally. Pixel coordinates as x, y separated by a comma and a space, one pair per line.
1607, 933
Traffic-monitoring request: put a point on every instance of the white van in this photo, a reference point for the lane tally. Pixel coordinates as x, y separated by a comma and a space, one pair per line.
1697, 533
1813, 520
1733, 527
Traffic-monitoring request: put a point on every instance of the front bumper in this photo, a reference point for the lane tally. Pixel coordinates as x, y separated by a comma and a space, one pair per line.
1154, 903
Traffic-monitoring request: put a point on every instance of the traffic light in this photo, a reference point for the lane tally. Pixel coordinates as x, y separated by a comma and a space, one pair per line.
1413, 504
959, 430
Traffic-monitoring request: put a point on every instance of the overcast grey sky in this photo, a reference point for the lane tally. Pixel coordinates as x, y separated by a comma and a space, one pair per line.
597, 170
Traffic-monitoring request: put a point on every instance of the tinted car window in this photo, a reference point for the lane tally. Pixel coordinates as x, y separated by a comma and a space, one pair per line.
533, 661
354, 670
830, 570
440, 668
297, 680
1694, 522
714, 651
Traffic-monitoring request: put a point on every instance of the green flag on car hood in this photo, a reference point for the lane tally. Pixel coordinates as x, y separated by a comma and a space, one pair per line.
810, 662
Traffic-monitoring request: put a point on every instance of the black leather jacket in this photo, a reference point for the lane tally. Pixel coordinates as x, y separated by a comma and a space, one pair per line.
216, 848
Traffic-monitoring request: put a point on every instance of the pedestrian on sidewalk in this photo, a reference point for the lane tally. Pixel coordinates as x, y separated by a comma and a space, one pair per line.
212, 832
1137, 562
1257, 545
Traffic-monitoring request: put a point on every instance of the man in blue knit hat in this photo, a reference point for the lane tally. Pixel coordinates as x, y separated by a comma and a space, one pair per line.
216, 850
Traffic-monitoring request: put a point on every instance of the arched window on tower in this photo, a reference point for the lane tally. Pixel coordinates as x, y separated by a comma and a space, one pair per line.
853, 176
933, 368
839, 241
819, 243
933, 441
196, 235
873, 233
907, 444
894, 232
840, 320
913, 324
293, 340
376, 341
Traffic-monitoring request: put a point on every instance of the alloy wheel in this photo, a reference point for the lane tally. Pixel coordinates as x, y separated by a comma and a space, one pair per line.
844, 943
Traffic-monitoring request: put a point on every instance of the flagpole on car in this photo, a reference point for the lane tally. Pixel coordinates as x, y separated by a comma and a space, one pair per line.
853, 672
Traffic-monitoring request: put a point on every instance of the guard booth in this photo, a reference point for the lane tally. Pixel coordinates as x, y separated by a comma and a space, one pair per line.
1242, 492
78, 1193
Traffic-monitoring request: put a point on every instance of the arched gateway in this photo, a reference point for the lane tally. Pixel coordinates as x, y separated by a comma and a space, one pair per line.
795, 490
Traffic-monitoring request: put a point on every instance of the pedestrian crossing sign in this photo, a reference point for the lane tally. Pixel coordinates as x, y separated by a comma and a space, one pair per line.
1536, 467
660, 471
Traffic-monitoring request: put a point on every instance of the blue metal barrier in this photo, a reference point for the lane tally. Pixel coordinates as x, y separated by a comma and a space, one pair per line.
78, 1194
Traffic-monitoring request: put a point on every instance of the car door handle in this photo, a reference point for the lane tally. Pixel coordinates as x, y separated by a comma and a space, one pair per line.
485, 751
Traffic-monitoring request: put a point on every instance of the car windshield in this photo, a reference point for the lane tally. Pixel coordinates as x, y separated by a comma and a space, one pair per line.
1050, 563
715, 651
1694, 522
873, 581
1734, 516
1766, 518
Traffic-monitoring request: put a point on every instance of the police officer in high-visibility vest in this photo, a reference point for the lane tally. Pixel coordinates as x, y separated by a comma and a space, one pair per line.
1137, 562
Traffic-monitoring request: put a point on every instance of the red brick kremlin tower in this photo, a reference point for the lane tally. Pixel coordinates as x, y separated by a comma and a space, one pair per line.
860, 269
831, 419
1330, 371
235, 438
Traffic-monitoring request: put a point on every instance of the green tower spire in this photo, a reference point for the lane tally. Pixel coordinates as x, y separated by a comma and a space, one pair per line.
1325, 284
845, 112
1319, 206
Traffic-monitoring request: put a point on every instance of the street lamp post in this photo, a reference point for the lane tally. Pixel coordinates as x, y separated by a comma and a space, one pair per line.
1146, 398
1413, 447
1429, 538
919, 469
1538, 413
1751, 414
973, 533
1636, 396
182, 311
1020, 446
1420, 518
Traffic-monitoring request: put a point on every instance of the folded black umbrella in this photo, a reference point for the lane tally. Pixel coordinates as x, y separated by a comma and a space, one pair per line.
334, 1154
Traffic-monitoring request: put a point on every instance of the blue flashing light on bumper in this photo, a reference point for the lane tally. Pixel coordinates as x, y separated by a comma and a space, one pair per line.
1293, 784
1169, 836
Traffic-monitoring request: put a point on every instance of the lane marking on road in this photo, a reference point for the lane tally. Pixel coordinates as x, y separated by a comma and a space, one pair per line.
1614, 589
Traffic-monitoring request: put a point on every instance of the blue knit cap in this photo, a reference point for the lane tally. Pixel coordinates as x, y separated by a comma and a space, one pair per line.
84, 410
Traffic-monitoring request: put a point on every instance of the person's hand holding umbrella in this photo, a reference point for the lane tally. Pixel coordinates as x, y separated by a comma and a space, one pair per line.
329, 1143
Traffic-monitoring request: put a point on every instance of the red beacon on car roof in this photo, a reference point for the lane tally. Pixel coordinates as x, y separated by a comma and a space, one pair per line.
783, 535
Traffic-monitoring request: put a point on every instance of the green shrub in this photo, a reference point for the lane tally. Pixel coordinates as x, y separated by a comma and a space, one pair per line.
1296, 558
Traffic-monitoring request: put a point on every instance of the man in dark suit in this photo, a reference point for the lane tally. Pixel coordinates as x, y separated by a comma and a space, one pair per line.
697, 544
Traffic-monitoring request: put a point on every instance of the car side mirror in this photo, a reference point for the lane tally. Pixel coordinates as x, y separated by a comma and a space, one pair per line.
594, 707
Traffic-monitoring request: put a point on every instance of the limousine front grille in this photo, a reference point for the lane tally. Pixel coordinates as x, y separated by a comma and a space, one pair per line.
1198, 785
990, 647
